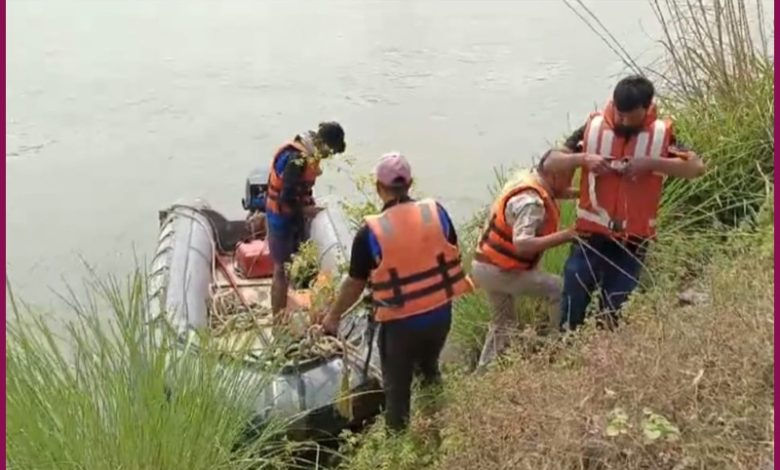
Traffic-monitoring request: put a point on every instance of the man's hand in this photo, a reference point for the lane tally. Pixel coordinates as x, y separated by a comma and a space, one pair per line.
678, 152
595, 163
330, 323
570, 234
532, 245
638, 166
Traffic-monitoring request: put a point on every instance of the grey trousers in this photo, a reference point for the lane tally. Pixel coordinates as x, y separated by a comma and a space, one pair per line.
502, 288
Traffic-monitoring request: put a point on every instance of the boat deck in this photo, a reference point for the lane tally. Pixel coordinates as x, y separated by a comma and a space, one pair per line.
255, 291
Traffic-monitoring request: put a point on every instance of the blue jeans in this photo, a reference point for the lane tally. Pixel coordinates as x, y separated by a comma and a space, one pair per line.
599, 262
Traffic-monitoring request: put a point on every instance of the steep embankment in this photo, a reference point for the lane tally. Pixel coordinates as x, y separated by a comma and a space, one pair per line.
679, 386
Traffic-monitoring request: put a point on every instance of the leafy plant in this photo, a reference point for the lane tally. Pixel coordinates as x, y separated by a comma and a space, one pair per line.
304, 265
655, 426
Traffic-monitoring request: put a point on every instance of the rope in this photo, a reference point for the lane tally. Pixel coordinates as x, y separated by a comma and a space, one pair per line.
312, 344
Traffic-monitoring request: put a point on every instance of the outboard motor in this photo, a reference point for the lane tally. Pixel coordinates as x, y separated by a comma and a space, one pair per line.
256, 191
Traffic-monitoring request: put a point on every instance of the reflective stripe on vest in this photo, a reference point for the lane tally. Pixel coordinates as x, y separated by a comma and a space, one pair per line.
419, 270
496, 246
276, 181
622, 212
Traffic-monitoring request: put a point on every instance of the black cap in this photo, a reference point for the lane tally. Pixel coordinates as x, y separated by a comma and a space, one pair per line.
332, 135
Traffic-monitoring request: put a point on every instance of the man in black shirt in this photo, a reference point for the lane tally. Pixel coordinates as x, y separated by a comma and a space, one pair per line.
408, 255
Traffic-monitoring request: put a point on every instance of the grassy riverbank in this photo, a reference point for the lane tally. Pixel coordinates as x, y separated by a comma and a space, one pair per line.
679, 386
95, 395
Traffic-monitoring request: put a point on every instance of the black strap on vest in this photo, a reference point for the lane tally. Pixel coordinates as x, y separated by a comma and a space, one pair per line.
494, 228
395, 284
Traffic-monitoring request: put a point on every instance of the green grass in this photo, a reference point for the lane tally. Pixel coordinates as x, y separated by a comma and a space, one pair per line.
92, 394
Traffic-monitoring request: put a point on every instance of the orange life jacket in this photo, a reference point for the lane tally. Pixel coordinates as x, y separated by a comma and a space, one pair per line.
305, 187
420, 269
614, 205
496, 247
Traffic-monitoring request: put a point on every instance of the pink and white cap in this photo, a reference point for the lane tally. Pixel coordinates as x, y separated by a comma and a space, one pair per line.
393, 169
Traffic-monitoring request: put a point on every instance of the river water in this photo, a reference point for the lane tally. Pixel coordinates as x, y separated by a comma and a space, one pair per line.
116, 109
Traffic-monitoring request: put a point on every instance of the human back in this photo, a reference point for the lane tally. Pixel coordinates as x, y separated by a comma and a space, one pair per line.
418, 268
408, 257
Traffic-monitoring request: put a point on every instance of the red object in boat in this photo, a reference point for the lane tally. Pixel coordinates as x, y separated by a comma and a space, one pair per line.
253, 259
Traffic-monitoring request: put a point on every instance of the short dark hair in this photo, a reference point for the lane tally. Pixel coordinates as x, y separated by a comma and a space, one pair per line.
633, 92
332, 135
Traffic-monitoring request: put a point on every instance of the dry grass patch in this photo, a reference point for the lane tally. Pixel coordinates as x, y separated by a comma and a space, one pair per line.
678, 387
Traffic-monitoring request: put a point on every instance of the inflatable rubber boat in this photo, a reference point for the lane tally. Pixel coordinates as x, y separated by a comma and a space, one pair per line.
200, 253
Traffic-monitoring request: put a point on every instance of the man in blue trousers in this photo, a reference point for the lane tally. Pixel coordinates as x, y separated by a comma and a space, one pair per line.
624, 152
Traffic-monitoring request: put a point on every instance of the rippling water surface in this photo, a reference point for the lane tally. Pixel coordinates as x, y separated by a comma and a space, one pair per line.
117, 108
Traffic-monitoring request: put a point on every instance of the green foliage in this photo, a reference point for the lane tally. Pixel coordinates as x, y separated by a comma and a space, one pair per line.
617, 423
368, 205
113, 394
655, 426
304, 265
735, 138
379, 449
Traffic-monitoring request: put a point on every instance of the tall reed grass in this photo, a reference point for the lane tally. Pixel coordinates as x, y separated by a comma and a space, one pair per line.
93, 395
716, 79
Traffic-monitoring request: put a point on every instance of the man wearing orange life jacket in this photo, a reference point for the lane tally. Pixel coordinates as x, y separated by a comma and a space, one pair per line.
624, 152
522, 223
409, 258
290, 200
